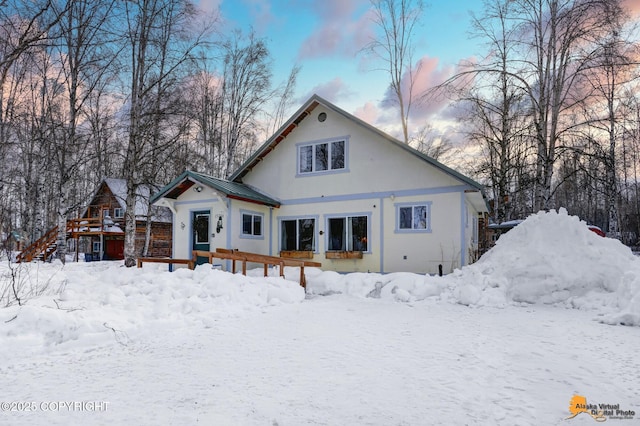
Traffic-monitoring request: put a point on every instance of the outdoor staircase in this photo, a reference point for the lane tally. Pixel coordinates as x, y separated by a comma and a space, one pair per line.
40, 249
44, 247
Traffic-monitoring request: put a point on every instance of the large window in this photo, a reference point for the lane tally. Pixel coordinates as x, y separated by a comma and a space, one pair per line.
298, 234
251, 224
348, 233
321, 157
414, 217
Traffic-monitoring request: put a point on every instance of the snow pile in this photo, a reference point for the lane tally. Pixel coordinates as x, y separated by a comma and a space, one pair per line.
550, 258
554, 258
400, 286
104, 300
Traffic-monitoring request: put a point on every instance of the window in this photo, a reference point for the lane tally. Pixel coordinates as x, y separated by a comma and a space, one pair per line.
298, 234
321, 157
414, 217
252, 224
96, 247
118, 213
348, 233
201, 228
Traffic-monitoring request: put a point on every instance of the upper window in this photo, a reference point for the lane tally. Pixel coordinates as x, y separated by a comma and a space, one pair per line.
348, 233
252, 224
414, 217
321, 157
118, 213
298, 234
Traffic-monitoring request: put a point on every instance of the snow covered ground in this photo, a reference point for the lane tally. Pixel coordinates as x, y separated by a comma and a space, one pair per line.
508, 340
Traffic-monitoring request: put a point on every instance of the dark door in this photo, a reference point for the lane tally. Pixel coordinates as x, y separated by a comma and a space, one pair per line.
201, 230
114, 249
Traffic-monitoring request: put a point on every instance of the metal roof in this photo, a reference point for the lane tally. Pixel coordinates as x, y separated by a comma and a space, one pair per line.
231, 189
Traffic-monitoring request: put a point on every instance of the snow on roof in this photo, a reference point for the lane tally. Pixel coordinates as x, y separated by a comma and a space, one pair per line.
119, 189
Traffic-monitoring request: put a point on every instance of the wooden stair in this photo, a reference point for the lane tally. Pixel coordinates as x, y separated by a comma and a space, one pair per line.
44, 247
40, 249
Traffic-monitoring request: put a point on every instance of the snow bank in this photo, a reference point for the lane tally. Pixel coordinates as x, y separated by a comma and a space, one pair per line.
101, 301
550, 258
554, 258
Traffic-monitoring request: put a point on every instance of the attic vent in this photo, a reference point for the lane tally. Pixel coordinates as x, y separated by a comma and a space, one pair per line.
322, 116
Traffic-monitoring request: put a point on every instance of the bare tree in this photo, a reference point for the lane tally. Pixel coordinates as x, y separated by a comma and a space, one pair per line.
160, 43
246, 89
285, 98
614, 68
397, 21
85, 59
558, 46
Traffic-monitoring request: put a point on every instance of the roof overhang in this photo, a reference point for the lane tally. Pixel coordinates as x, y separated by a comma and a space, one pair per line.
234, 190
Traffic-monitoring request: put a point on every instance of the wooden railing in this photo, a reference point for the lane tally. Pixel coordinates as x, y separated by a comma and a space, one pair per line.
189, 262
75, 227
85, 226
245, 257
38, 247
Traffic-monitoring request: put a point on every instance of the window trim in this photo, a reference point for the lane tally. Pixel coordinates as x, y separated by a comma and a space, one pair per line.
412, 204
345, 216
329, 170
253, 215
281, 219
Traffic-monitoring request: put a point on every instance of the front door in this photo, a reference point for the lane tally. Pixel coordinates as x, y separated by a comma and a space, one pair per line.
201, 230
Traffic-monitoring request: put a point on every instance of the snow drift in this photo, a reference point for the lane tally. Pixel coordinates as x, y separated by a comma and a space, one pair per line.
101, 301
550, 258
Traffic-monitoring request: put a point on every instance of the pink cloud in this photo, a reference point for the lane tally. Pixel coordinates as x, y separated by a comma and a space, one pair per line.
260, 10
332, 91
209, 6
428, 73
339, 31
633, 6
369, 113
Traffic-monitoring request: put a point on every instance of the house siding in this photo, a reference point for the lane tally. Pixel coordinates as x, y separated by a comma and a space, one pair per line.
377, 176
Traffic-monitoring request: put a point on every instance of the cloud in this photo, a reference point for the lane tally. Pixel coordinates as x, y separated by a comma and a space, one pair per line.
209, 6
369, 113
341, 31
332, 91
633, 6
261, 12
428, 73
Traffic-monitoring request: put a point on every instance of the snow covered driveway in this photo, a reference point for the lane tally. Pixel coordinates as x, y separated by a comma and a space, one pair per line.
339, 360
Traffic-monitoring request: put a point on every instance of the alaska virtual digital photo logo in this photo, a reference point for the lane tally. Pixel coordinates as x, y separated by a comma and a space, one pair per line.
599, 412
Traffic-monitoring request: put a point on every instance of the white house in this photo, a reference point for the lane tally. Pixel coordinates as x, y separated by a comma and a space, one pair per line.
331, 188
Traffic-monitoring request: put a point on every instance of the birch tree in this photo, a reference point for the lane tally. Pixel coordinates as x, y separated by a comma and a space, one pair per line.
85, 59
160, 44
396, 21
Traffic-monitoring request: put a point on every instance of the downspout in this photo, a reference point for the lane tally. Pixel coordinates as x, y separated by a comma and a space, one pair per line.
463, 231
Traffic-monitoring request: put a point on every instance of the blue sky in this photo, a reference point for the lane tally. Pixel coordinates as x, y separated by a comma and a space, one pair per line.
325, 38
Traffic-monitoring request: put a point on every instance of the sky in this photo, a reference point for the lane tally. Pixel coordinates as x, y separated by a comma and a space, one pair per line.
326, 39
